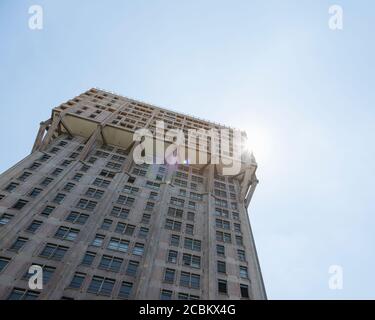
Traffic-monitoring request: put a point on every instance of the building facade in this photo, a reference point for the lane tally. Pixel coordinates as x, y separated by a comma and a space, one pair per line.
103, 227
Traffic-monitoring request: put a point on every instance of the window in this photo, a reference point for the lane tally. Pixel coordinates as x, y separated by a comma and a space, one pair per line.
243, 272
153, 195
223, 237
101, 286
172, 256
174, 240
69, 187
101, 154
143, 232
23, 294
77, 280
77, 177
153, 185
186, 296
56, 172
190, 280
44, 158
106, 224
54, 150
222, 212
118, 158
101, 183
146, 218
196, 196
180, 183
120, 212
221, 267
11, 186
175, 213
85, 168
88, 258
221, 203
220, 250
66, 163
35, 224
66, 233
20, 204
3, 263
172, 225
125, 290
24, 176
98, 240
138, 249
47, 211
192, 205
222, 286
107, 174
139, 172
125, 200
132, 268
239, 240
54, 252
191, 216
244, 291
125, 228
236, 216
94, 193
77, 218
110, 263
35, 166
59, 198
18, 244
149, 206
113, 165
130, 189
86, 204
177, 202
223, 224
234, 205
165, 294
47, 273
5, 219
46, 181
74, 155
192, 244
92, 160
191, 260
117, 244
35, 192
169, 275
189, 229
241, 255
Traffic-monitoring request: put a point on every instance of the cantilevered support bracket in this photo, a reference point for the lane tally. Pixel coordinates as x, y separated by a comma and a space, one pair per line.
90, 143
254, 183
39, 138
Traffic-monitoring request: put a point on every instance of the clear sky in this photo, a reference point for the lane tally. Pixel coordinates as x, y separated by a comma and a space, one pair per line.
304, 93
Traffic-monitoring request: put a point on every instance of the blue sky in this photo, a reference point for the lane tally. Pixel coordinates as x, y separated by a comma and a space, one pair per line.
303, 92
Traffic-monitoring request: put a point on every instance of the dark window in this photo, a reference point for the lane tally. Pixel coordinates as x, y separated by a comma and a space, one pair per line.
221, 267
11, 186
66, 233
110, 263
244, 291
18, 244
3, 263
101, 286
125, 290
166, 294
47, 211
35, 224
169, 275
77, 218
59, 198
5, 219
35, 192
20, 204
54, 252
222, 286
46, 181
23, 294
132, 268
88, 258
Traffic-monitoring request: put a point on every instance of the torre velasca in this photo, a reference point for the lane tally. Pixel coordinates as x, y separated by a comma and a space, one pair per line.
102, 226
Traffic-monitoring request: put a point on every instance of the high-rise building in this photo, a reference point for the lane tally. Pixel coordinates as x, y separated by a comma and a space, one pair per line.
103, 227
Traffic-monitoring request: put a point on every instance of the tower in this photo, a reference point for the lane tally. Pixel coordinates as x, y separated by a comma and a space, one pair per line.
102, 226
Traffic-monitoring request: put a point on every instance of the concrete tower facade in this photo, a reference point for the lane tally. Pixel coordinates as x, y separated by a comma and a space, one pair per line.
103, 227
